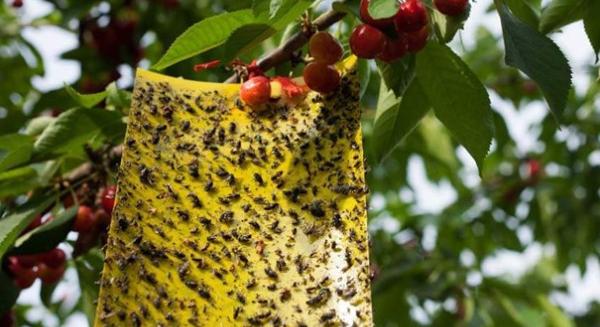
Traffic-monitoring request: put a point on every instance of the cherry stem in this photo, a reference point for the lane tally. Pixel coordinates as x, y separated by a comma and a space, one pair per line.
286, 51
206, 65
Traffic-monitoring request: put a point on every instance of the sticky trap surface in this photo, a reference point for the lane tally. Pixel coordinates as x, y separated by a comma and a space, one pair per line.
226, 217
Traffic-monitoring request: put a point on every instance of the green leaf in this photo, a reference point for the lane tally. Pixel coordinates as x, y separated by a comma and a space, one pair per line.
457, 97
437, 142
14, 224
245, 38
15, 150
86, 100
349, 7
560, 13
48, 236
76, 127
446, 27
524, 11
37, 125
18, 181
276, 6
261, 7
539, 58
505, 303
46, 294
89, 267
17, 173
591, 22
398, 75
556, 317
9, 290
117, 99
383, 8
364, 75
390, 303
288, 13
397, 117
203, 36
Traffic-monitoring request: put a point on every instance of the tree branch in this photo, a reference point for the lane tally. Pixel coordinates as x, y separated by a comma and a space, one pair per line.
285, 51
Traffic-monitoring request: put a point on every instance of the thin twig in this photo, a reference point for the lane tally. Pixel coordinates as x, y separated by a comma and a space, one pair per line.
285, 52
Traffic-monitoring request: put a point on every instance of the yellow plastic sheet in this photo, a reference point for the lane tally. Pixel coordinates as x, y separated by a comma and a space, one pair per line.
226, 217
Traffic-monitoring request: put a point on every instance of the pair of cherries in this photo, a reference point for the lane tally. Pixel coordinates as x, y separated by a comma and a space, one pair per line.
87, 219
319, 74
48, 266
406, 31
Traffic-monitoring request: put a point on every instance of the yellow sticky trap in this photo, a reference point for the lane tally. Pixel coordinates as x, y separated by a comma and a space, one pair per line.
226, 217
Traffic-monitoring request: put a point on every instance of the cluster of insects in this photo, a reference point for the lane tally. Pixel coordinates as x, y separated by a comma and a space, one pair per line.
231, 216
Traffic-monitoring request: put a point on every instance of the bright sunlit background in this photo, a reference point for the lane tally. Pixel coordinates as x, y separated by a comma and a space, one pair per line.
430, 198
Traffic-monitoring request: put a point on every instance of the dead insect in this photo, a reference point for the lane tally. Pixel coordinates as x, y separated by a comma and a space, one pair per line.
183, 215
195, 200
207, 223
285, 295
316, 208
320, 298
258, 178
271, 273
226, 217
146, 175
327, 316
209, 186
193, 168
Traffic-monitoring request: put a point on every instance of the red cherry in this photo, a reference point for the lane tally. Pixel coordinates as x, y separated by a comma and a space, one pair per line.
28, 260
84, 221
366, 18
108, 198
451, 7
23, 277
53, 258
321, 77
50, 275
417, 40
17, 3
324, 47
366, 41
256, 91
534, 170
411, 17
102, 218
394, 49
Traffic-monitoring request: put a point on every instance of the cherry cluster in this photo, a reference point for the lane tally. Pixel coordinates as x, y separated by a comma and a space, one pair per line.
92, 220
407, 31
48, 266
115, 43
